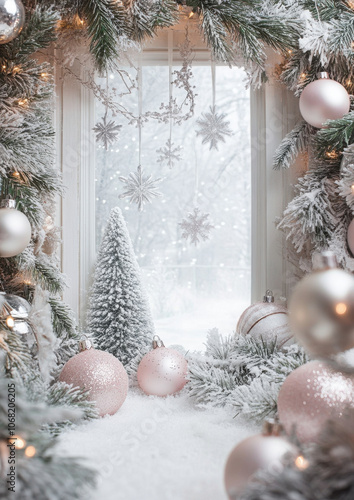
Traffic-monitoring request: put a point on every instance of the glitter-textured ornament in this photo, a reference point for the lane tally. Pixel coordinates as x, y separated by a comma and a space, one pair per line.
107, 132
311, 395
169, 154
267, 452
141, 188
266, 320
350, 237
12, 19
101, 374
323, 100
15, 229
14, 311
322, 309
196, 226
213, 128
162, 371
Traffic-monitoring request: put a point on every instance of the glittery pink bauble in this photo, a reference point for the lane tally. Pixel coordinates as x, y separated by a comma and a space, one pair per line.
323, 100
102, 375
162, 371
252, 455
310, 396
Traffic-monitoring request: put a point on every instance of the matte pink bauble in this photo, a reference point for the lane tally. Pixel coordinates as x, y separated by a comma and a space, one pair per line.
266, 320
323, 100
350, 236
260, 452
162, 371
310, 396
101, 374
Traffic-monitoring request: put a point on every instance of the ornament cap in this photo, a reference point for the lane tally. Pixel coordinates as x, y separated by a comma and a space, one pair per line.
268, 297
85, 344
323, 75
271, 427
325, 260
8, 203
157, 342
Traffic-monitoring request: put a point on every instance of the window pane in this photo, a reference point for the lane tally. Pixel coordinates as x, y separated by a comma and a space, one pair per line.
191, 289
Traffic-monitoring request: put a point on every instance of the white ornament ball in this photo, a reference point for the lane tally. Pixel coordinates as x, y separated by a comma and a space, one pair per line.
323, 100
266, 320
322, 312
350, 236
12, 19
15, 232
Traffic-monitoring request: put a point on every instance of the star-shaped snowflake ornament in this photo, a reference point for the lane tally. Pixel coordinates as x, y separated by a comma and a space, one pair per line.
141, 188
196, 226
213, 128
169, 154
107, 132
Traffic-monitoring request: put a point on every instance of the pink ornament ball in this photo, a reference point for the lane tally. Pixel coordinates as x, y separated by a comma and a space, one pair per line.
350, 237
162, 372
310, 396
252, 455
323, 100
102, 375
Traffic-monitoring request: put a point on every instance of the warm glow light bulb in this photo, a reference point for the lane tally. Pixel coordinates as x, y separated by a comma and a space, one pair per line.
301, 462
10, 322
30, 451
341, 308
19, 443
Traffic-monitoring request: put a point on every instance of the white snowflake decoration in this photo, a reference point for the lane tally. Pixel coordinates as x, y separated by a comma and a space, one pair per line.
169, 154
107, 133
213, 128
141, 188
196, 226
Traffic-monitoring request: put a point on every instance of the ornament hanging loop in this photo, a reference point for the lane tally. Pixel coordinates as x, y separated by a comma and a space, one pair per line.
8, 202
325, 260
157, 342
272, 427
85, 343
268, 297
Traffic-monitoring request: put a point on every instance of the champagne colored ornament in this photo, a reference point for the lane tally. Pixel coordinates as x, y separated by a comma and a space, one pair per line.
14, 311
12, 19
350, 236
267, 451
101, 374
15, 229
322, 309
162, 371
267, 320
310, 396
323, 100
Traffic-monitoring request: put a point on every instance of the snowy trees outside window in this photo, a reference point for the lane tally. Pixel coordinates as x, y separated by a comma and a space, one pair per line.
191, 288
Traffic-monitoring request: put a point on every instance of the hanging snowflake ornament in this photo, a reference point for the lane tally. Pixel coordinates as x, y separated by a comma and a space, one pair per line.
140, 188
196, 226
107, 132
169, 154
213, 128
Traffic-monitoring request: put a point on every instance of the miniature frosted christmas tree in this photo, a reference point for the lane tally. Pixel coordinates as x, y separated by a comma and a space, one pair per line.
119, 316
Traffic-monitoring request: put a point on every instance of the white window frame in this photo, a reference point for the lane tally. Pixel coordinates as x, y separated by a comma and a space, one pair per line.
274, 111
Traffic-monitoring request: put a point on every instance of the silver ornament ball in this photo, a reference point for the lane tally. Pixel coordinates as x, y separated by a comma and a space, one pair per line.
18, 308
323, 100
260, 452
322, 312
15, 232
12, 19
350, 237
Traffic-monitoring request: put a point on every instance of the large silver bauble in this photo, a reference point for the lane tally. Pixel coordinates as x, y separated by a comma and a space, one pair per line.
19, 309
252, 455
12, 19
322, 312
323, 100
15, 232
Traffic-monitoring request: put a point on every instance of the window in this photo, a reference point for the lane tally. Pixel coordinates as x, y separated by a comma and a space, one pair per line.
191, 288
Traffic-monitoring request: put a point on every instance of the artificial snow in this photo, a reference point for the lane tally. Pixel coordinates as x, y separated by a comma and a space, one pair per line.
158, 449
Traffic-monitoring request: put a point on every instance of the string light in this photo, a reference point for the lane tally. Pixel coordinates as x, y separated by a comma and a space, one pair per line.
352, 187
332, 154
290, 51
19, 442
16, 174
45, 76
30, 451
341, 308
191, 14
23, 102
301, 462
303, 75
10, 322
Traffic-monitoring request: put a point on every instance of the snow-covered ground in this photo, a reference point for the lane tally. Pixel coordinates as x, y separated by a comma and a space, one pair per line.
157, 449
